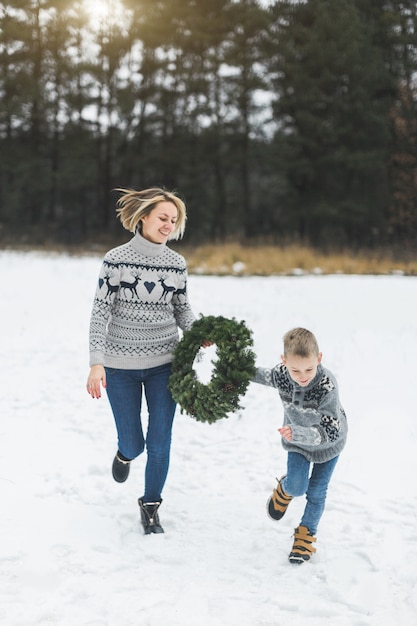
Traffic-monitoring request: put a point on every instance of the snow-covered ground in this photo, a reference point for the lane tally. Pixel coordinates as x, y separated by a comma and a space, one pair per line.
72, 551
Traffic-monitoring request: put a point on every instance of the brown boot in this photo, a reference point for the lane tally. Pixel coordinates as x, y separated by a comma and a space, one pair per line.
302, 548
278, 502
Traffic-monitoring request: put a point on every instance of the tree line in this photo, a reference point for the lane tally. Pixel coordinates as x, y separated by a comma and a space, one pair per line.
286, 121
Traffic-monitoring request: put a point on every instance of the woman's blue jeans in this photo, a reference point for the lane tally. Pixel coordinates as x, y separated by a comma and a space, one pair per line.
299, 482
124, 390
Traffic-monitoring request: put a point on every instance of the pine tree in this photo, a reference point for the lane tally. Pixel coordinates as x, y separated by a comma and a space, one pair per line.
334, 94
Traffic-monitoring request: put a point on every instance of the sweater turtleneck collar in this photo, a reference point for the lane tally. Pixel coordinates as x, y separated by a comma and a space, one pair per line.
146, 247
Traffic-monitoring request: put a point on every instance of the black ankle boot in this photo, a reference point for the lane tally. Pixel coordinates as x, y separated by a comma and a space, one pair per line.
149, 517
120, 468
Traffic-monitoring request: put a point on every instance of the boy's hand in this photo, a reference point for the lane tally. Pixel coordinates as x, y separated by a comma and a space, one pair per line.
286, 432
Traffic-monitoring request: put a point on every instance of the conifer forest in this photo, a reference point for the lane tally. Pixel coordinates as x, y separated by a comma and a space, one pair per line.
280, 121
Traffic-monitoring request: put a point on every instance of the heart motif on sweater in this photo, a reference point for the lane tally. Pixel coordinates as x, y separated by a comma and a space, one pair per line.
149, 286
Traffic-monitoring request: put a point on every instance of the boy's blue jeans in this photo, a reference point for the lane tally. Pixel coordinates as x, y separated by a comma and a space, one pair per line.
299, 482
124, 390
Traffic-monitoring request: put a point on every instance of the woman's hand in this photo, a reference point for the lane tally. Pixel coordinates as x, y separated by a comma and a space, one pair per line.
96, 378
286, 432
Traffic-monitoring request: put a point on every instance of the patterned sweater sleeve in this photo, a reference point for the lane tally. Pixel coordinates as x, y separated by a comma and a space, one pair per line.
107, 288
264, 376
183, 313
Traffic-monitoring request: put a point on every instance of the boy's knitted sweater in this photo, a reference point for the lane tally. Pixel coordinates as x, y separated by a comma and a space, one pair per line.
317, 419
140, 301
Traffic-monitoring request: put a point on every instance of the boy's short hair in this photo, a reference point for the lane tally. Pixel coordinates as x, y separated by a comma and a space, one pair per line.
300, 342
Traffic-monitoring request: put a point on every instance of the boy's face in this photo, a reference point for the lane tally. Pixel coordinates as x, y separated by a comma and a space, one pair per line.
302, 369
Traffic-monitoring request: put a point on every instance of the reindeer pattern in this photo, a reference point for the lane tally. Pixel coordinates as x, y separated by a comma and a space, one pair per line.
141, 300
134, 283
130, 286
111, 288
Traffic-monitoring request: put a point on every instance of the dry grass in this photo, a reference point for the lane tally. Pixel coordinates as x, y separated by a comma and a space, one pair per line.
260, 260
274, 260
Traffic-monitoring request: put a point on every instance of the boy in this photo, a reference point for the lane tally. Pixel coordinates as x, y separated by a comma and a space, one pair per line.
314, 432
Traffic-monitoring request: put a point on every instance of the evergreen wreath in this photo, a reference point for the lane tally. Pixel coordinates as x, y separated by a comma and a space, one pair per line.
231, 374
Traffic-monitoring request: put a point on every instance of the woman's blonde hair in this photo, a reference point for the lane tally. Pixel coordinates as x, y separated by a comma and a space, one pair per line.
133, 206
300, 342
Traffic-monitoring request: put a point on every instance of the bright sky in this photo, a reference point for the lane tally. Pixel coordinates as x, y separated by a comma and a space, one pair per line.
101, 10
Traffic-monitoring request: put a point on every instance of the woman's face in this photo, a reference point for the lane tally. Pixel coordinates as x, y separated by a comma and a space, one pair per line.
161, 221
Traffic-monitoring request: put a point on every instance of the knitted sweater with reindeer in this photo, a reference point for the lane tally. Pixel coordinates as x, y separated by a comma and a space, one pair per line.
140, 302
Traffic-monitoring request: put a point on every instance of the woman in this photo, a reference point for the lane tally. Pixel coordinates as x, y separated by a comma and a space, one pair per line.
140, 302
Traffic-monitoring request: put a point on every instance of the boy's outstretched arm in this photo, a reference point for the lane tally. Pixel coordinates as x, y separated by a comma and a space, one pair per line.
264, 376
